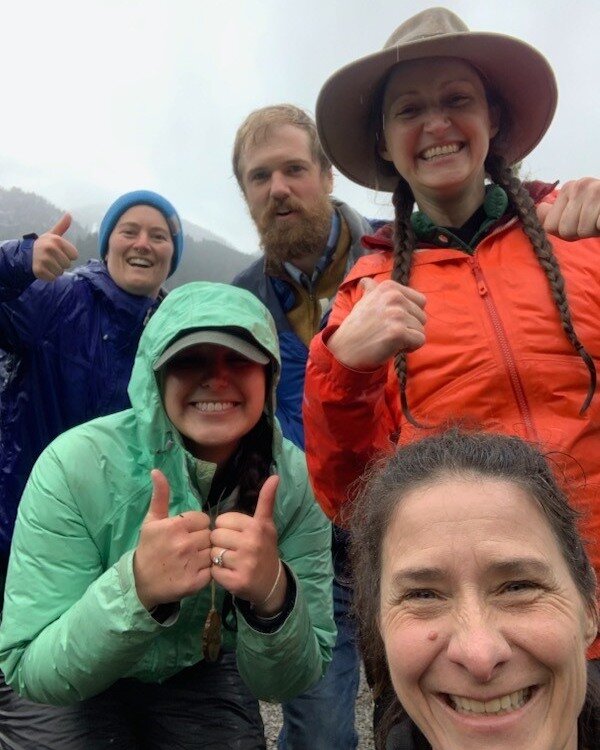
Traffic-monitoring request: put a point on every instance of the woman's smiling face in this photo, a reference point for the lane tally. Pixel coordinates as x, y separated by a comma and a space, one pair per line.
437, 127
213, 396
484, 630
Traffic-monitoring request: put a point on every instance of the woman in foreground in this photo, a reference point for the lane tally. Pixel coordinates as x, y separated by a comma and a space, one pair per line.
476, 599
161, 577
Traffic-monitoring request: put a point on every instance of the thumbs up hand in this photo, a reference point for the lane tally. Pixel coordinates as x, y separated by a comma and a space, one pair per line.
247, 546
52, 253
172, 559
388, 318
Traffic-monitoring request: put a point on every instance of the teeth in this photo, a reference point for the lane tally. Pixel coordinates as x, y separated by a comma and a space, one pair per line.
141, 262
434, 151
206, 406
497, 706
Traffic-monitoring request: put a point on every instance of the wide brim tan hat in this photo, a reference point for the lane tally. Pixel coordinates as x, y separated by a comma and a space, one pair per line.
347, 119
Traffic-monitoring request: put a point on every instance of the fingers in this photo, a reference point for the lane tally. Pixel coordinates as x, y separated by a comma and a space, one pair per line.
159, 502
265, 504
576, 212
52, 255
560, 218
61, 225
413, 339
417, 298
232, 521
542, 210
387, 319
368, 285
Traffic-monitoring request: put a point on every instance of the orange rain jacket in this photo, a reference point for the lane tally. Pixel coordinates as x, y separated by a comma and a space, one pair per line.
495, 355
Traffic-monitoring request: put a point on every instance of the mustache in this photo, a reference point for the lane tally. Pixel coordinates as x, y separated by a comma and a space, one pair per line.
273, 206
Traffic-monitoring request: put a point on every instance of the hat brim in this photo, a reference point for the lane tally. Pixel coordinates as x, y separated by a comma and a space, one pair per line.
516, 71
212, 336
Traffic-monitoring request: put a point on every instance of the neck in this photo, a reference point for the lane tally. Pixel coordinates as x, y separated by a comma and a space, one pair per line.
307, 263
452, 210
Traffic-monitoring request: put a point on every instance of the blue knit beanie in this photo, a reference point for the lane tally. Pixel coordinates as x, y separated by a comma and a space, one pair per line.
142, 198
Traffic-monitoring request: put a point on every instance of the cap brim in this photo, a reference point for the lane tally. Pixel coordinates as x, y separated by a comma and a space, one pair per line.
516, 71
211, 336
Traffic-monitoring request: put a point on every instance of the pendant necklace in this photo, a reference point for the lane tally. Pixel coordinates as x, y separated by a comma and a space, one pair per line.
211, 633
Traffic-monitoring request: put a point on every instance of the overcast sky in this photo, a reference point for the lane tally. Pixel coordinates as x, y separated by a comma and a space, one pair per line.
101, 97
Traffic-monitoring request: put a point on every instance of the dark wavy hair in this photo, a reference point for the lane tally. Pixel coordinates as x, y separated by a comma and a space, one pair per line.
456, 452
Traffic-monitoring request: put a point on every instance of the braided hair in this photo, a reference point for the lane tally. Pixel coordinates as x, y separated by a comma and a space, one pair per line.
518, 196
404, 245
521, 201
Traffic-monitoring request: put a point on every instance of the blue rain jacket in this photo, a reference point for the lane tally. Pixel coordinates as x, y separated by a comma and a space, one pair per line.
69, 346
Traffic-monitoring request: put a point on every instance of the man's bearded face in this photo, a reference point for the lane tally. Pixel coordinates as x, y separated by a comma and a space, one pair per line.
287, 193
290, 229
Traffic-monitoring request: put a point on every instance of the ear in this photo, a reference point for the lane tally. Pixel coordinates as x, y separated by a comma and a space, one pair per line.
382, 147
591, 624
494, 114
327, 177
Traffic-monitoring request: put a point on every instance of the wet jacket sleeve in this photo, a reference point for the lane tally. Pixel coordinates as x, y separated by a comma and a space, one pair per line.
69, 628
279, 665
347, 419
15, 267
24, 301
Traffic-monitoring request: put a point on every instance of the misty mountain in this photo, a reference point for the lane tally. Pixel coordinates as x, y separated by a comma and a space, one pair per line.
206, 257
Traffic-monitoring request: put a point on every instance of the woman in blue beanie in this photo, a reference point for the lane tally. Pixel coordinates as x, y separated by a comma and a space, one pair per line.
73, 337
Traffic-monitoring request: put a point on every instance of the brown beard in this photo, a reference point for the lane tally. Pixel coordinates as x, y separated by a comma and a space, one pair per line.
306, 236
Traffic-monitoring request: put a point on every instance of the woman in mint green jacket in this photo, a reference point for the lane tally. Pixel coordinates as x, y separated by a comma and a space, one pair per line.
151, 547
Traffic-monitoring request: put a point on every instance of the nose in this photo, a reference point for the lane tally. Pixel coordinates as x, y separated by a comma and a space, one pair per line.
279, 188
215, 374
142, 240
437, 120
477, 644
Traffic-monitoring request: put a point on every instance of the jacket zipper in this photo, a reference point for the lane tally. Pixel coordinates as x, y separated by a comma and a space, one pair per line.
505, 348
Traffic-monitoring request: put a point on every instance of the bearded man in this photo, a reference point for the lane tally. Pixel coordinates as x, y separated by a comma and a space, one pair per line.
310, 241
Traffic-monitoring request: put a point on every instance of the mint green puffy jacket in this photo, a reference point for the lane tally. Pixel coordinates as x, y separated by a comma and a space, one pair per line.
72, 621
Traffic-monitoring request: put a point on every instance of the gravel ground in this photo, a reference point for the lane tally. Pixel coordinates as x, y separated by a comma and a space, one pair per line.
271, 714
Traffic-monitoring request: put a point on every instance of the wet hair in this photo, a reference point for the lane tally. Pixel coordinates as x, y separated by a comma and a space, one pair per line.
254, 464
519, 199
257, 126
454, 453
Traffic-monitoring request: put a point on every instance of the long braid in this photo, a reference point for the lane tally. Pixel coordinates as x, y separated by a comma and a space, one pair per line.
504, 176
404, 245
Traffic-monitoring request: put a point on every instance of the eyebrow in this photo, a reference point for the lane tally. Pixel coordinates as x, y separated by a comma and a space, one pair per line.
287, 162
521, 566
414, 92
136, 225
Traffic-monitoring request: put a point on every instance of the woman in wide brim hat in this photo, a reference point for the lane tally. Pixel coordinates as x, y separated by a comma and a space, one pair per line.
349, 104
466, 308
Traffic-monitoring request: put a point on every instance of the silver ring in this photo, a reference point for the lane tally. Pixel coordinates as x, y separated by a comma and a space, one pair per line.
218, 559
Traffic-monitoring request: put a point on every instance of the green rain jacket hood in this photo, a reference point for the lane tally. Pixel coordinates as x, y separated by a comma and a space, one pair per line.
188, 308
72, 621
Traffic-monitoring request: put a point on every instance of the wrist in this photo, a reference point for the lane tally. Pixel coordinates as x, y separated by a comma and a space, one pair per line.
273, 602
